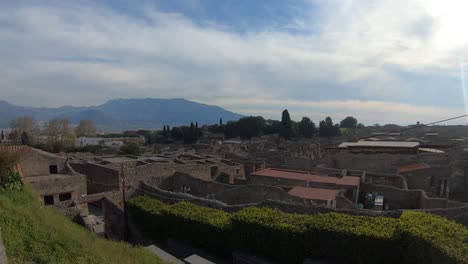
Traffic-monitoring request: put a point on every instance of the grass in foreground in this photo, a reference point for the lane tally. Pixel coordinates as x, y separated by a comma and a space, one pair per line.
41, 235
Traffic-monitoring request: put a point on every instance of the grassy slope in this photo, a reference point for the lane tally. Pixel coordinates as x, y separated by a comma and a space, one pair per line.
41, 235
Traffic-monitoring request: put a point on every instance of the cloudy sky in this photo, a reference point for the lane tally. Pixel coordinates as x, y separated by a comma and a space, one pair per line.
386, 61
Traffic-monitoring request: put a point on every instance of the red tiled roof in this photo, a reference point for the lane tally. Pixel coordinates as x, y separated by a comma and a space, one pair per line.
314, 193
14, 148
305, 176
412, 167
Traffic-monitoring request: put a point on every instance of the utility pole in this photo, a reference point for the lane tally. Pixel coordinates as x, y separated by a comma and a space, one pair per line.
124, 205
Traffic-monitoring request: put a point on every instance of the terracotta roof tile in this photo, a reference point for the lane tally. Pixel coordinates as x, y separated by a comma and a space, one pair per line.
314, 193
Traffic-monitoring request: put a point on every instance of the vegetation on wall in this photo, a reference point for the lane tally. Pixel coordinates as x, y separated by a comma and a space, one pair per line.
416, 237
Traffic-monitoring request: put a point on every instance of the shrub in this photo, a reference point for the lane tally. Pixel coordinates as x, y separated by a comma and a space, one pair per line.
289, 238
13, 181
429, 239
7, 162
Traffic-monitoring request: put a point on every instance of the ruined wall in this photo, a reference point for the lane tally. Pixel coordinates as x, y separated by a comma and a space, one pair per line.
459, 214
100, 179
262, 180
405, 199
55, 185
299, 163
383, 163
202, 171
171, 197
427, 179
36, 162
229, 194
114, 223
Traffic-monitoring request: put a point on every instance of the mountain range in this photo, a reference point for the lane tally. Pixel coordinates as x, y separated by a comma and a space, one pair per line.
120, 114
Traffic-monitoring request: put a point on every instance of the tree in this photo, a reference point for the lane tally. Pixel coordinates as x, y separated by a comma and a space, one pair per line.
250, 126
58, 131
349, 122
306, 127
86, 128
24, 124
7, 162
360, 125
2, 136
25, 139
286, 130
328, 129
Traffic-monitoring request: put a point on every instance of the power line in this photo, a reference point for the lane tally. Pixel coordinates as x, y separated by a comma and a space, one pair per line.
408, 128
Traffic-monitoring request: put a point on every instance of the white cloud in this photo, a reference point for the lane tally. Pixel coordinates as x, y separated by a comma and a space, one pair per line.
356, 53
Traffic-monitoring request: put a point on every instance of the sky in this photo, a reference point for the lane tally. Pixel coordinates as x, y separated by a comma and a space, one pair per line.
386, 61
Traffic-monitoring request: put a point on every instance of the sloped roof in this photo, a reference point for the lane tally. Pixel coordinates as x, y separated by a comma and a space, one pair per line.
380, 144
306, 176
412, 167
314, 193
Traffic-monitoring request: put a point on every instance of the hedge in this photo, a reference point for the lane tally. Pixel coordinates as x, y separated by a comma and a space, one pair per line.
289, 238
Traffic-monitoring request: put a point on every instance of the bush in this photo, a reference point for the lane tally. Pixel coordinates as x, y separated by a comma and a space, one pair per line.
7, 162
13, 181
289, 238
203, 227
433, 239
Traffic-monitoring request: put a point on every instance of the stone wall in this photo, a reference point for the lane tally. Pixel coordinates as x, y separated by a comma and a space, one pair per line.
405, 199
172, 197
100, 179
58, 184
36, 162
209, 171
459, 214
229, 194
114, 223
383, 163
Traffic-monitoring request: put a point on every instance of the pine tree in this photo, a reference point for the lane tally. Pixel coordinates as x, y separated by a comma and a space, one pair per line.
285, 125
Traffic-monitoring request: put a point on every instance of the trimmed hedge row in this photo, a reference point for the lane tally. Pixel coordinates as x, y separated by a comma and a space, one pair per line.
289, 238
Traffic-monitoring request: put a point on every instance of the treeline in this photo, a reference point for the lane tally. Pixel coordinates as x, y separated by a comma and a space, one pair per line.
254, 126
56, 135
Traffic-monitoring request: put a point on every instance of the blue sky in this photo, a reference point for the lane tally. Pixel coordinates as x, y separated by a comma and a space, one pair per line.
388, 61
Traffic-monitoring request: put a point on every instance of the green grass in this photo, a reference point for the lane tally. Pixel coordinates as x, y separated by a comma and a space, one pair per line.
41, 235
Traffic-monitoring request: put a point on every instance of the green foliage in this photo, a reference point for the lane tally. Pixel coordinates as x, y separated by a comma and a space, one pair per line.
306, 127
328, 129
433, 239
7, 162
289, 238
286, 130
349, 122
13, 181
130, 149
32, 234
25, 139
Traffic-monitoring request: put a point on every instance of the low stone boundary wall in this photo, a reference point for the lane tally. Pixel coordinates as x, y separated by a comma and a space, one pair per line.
173, 197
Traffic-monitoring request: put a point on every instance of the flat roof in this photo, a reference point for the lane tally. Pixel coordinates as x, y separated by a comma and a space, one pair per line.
310, 177
412, 167
382, 144
314, 193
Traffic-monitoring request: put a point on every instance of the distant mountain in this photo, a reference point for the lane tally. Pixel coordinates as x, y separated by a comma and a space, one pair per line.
121, 114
